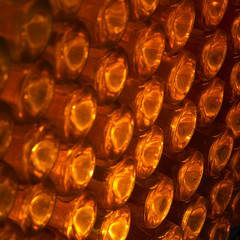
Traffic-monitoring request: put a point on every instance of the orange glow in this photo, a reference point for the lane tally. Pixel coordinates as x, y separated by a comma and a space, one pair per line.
194, 218
158, 202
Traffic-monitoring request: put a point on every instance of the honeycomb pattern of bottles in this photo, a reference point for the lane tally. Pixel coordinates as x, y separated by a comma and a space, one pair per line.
119, 119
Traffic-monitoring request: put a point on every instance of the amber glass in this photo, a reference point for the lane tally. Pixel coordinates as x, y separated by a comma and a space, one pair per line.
112, 131
106, 20
177, 73
8, 190
189, 216
235, 80
150, 202
74, 168
178, 125
112, 224
33, 151
230, 74
68, 50
185, 169
216, 229
75, 219
113, 185
208, 97
6, 129
34, 206
4, 64
64, 9
27, 27
218, 192
166, 231
146, 151
29, 90
10, 230
141, 10
216, 144
145, 45
177, 21
73, 111
48, 234
230, 24
234, 167
234, 35
145, 100
210, 50
209, 13
107, 71
234, 208
232, 119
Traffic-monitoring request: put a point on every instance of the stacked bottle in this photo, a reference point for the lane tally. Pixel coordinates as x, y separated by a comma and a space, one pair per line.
119, 119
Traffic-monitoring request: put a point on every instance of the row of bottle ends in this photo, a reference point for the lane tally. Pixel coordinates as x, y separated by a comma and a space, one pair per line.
109, 21
69, 50
150, 206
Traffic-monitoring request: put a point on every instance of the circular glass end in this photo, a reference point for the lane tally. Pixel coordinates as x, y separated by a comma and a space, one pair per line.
148, 51
214, 53
189, 177
72, 52
213, 12
183, 126
43, 156
148, 152
36, 29
8, 190
220, 196
180, 24
122, 182
80, 112
83, 220
82, 165
148, 104
233, 119
235, 35
194, 217
119, 130
75, 52
41, 208
235, 79
219, 153
116, 224
83, 114
222, 229
82, 216
181, 77
6, 134
158, 202
41, 152
37, 90
112, 21
210, 103
111, 76
39, 204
